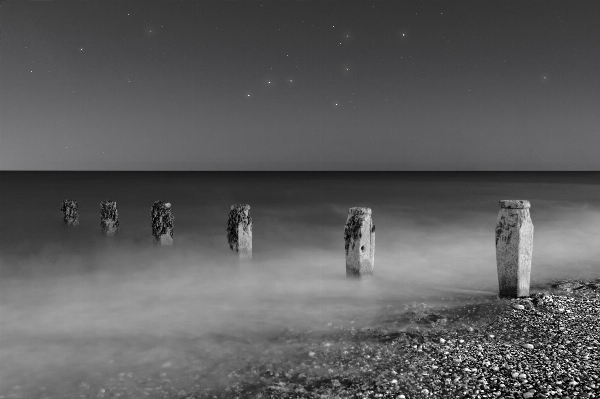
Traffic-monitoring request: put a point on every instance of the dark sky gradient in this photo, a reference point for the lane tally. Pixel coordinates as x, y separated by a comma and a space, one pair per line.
403, 85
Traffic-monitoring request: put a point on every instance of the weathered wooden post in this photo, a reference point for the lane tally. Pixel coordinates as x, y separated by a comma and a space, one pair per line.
514, 246
70, 213
359, 236
109, 217
239, 230
162, 223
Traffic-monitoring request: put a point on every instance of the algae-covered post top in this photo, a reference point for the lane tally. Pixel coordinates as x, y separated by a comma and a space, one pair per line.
109, 217
514, 204
359, 238
239, 230
162, 223
359, 210
70, 212
514, 248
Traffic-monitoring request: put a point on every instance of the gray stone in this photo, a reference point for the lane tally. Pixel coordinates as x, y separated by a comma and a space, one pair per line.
514, 247
359, 237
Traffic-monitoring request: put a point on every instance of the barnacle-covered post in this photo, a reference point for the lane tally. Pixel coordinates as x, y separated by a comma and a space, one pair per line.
514, 246
162, 223
70, 213
109, 217
359, 236
239, 230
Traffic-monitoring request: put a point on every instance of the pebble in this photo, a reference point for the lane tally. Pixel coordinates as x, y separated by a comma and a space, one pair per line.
505, 367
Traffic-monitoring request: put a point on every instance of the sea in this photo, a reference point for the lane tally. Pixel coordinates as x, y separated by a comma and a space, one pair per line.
80, 310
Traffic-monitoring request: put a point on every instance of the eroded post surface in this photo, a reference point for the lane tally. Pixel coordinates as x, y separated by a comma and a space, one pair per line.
359, 237
239, 231
514, 247
109, 217
70, 212
162, 223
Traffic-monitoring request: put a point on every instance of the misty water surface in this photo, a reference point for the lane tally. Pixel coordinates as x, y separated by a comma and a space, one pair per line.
78, 307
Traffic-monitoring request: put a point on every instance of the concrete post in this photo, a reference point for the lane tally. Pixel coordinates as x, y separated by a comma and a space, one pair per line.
514, 246
70, 213
359, 236
239, 230
109, 217
162, 223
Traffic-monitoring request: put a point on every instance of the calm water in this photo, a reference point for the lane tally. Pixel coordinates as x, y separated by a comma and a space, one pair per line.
78, 308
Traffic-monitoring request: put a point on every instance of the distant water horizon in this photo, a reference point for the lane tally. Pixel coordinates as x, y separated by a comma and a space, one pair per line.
75, 303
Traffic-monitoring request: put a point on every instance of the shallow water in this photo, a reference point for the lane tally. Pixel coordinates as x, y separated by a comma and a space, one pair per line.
78, 308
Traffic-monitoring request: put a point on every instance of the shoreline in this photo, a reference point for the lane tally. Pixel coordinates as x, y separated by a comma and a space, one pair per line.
540, 346
409, 348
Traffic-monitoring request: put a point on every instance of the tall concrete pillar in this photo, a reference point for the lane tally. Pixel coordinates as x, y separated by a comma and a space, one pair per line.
109, 217
162, 223
359, 236
239, 230
514, 246
70, 212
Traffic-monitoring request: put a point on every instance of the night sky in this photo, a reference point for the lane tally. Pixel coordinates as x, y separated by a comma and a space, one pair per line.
306, 85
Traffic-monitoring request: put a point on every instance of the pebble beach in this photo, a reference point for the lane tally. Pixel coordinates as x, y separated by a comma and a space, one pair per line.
546, 345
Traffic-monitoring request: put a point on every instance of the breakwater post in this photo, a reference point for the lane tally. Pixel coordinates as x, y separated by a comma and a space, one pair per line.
359, 236
514, 246
239, 230
70, 213
162, 223
109, 217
